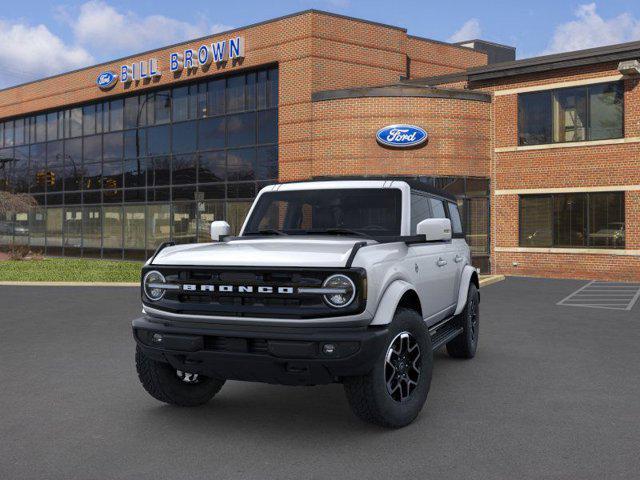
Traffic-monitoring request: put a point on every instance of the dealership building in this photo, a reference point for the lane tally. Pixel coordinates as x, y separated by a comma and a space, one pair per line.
543, 154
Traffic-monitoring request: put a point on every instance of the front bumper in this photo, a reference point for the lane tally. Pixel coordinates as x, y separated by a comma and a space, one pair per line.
280, 355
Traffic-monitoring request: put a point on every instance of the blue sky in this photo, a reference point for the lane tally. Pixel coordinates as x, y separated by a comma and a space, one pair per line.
43, 37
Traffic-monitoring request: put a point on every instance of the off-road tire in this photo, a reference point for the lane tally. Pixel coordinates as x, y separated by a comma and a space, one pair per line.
162, 383
368, 395
466, 344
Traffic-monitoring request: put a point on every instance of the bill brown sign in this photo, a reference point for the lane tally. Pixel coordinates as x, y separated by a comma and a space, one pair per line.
189, 59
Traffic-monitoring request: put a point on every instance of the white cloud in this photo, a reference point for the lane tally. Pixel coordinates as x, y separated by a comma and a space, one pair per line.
589, 29
98, 32
469, 31
107, 31
29, 52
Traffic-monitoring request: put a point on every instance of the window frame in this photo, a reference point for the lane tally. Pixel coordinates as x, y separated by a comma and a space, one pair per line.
587, 225
552, 92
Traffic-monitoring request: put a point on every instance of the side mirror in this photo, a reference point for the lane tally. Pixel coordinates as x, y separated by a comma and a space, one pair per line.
219, 229
435, 229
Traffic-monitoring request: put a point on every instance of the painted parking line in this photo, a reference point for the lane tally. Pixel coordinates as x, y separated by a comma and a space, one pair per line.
609, 295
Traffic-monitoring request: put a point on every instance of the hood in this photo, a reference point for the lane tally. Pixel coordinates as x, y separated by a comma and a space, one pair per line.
308, 251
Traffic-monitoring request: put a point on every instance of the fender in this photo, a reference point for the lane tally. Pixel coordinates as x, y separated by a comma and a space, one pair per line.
389, 302
469, 275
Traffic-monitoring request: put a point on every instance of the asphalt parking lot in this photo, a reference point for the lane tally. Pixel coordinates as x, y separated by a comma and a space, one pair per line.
554, 392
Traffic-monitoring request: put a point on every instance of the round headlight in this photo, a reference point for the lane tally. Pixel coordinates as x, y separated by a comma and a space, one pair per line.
343, 291
151, 278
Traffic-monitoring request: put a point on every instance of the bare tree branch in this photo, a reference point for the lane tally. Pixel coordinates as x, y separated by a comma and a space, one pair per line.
16, 202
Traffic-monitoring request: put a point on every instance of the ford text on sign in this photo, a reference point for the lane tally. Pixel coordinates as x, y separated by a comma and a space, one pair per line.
401, 136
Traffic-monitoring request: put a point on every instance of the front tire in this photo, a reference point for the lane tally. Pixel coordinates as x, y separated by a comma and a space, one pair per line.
170, 386
466, 344
393, 393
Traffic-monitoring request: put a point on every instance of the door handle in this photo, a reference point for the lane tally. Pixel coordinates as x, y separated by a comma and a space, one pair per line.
441, 262
458, 258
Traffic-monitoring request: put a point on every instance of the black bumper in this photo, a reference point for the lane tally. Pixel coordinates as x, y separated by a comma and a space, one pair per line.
288, 356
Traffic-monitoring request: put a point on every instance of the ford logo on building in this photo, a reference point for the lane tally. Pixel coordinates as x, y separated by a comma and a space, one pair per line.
106, 80
401, 136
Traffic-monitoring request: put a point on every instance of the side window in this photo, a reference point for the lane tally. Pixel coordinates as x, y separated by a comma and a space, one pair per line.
437, 208
420, 210
456, 222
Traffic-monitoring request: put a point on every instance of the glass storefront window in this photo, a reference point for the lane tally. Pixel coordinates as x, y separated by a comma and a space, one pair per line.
134, 227
92, 229
158, 225
576, 220
100, 169
112, 230
72, 230
37, 227
184, 222
591, 112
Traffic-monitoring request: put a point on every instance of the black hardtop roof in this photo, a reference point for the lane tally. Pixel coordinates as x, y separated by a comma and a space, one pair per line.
414, 183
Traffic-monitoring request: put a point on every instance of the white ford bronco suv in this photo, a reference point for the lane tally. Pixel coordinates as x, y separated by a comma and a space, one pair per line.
350, 281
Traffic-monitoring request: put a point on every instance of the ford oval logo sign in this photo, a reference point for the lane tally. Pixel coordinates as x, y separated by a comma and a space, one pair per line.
106, 80
401, 136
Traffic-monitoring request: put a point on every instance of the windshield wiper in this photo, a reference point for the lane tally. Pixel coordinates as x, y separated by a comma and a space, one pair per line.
267, 232
340, 231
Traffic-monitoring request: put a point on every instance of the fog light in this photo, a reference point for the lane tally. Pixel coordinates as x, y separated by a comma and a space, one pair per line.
328, 348
157, 338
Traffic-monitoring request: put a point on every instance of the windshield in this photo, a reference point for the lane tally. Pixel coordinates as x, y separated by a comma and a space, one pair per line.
365, 212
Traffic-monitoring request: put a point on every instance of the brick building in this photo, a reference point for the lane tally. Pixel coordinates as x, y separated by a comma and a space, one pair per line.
541, 153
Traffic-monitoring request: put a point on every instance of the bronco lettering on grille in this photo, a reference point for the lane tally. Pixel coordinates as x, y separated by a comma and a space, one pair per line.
236, 288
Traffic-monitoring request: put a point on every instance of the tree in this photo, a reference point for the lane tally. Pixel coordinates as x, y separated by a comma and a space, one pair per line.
16, 202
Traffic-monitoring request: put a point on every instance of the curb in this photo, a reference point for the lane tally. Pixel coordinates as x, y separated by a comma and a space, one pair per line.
490, 279
70, 284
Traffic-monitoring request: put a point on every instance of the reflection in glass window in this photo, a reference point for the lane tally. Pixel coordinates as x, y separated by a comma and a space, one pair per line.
116, 118
158, 225
184, 169
241, 164
184, 137
215, 97
92, 227
37, 226
162, 106
92, 149
591, 112
71, 160
112, 227
184, 222
75, 122
241, 129
89, 124
158, 140
211, 133
606, 111
180, 104
268, 126
134, 226
72, 228
235, 93
437, 208
131, 112
41, 128
134, 173
267, 163
578, 220
112, 146
420, 210
54, 229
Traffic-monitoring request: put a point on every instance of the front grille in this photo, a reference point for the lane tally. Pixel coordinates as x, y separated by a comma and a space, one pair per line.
254, 303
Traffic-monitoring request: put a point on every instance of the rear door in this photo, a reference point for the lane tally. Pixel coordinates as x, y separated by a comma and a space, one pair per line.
445, 261
461, 257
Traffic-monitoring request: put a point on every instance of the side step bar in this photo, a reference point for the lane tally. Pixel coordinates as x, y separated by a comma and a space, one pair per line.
444, 332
